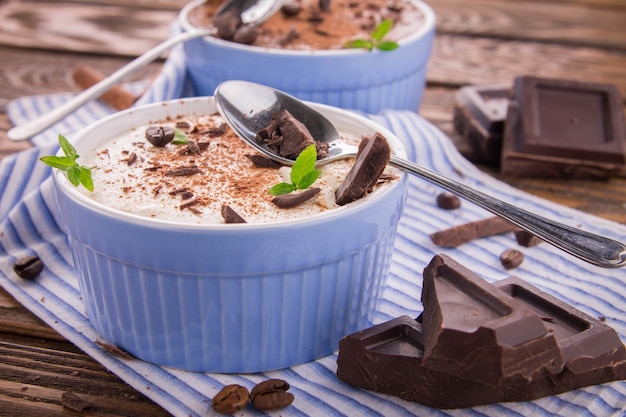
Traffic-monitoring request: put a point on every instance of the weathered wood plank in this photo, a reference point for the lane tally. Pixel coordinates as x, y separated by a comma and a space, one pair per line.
459, 60
104, 29
36, 377
573, 23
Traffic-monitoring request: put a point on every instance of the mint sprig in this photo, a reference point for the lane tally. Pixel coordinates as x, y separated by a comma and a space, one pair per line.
180, 137
376, 39
77, 174
303, 173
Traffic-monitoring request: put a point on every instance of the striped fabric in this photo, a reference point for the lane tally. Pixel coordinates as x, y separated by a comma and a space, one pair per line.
29, 226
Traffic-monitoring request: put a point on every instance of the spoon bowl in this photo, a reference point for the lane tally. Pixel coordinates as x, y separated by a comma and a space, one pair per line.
248, 107
253, 12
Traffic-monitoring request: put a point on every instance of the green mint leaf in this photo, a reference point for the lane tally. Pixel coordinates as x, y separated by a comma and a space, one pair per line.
67, 147
308, 179
382, 30
282, 188
76, 173
387, 46
180, 138
360, 44
85, 178
305, 163
58, 162
73, 174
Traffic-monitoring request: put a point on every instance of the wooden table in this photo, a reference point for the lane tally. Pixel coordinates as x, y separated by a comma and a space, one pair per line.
478, 41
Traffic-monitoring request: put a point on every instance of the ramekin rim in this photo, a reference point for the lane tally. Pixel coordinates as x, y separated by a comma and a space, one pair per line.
429, 25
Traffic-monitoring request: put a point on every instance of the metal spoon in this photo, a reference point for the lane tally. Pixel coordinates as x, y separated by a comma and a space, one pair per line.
248, 107
252, 12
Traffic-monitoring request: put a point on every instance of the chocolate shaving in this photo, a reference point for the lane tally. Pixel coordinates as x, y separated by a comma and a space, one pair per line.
183, 171
261, 161
74, 402
463, 233
292, 200
372, 158
230, 215
132, 158
114, 350
189, 204
192, 148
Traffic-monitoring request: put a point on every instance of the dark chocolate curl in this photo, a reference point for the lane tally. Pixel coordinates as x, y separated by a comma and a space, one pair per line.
295, 199
230, 215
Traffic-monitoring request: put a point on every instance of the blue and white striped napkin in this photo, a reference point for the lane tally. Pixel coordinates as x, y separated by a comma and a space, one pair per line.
29, 226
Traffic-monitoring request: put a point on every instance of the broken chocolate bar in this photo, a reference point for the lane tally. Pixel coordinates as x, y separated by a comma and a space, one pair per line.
497, 339
466, 232
389, 358
372, 158
587, 344
563, 128
479, 114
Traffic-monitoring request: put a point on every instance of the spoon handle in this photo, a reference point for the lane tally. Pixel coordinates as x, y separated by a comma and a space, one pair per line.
595, 249
32, 127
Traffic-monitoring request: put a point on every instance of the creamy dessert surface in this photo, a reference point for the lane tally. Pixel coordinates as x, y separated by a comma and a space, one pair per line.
313, 29
176, 184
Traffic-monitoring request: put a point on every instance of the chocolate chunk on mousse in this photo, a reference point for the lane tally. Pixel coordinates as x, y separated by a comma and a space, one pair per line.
371, 160
230, 215
227, 23
390, 358
292, 200
466, 232
564, 128
296, 137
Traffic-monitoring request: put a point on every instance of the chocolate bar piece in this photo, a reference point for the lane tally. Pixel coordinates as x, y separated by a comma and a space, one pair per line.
390, 358
466, 232
587, 344
563, 128
474, 331
479, 115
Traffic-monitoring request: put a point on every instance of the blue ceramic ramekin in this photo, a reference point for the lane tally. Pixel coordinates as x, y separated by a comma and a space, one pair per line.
228, 297
349, 78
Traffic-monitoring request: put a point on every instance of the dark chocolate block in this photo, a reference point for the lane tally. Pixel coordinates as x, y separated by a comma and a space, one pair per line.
586, 343
390, 358
563, 128
479, 115
474, 331
387, 358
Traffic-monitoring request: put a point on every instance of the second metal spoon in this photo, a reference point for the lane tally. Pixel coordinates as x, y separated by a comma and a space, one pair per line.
252, 12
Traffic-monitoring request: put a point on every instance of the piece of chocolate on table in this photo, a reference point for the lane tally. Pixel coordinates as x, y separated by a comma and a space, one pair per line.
564, 128
466, 232
390, 358
479, 115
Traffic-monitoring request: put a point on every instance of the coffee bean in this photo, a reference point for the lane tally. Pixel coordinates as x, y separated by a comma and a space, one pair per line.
28, 267
527, 239
271, 395
511, 258
160, 135
448, 201
230, 399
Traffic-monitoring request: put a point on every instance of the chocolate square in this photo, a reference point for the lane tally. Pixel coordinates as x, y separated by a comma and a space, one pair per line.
564, 128
479, 115
473, 330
